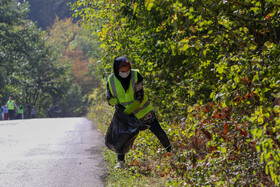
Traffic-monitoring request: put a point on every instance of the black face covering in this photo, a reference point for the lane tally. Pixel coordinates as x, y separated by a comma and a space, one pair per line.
125, 81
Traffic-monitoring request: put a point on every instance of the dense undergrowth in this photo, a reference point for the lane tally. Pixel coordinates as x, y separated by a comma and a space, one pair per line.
211, 147
212, 71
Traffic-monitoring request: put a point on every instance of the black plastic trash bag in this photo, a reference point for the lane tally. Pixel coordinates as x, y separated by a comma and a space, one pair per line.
122, 131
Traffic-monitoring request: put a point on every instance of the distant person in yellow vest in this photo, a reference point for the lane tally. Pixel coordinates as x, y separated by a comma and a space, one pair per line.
125, 87
20, 111
12, 107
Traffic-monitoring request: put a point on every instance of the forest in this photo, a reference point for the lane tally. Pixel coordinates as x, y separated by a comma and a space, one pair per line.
52, 67
211, 69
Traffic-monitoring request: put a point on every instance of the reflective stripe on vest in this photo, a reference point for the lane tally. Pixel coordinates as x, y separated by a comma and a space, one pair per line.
113, 85
11, 105
127, 97
143, 107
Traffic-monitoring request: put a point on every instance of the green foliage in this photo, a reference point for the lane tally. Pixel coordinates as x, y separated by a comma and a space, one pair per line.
99, 110
10, 18
76, 51
28, 66
73, 103
127, 177
57, 67
43, 13
211, 69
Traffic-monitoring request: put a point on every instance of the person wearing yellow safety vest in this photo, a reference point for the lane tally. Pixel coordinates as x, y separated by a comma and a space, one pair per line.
20, 111
11, 108
125, 87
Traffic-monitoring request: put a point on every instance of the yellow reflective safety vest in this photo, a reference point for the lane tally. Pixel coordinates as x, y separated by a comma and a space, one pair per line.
20, 111
11, 105
127, 97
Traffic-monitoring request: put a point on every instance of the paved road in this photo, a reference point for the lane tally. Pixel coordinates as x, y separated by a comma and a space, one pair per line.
57, 152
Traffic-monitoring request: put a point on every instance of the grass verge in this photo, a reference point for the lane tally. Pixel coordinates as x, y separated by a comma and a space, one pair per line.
101, 114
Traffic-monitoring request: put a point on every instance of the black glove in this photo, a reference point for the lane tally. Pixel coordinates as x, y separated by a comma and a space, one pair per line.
169, 148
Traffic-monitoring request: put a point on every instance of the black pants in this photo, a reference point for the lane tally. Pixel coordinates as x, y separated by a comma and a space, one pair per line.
11, 114
160, 134
19, 116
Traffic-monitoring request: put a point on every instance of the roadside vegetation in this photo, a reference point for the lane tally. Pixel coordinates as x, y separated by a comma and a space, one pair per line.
45, 67
212, 72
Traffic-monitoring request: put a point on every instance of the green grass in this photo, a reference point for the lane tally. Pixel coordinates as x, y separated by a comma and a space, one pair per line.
127, 176
101, 114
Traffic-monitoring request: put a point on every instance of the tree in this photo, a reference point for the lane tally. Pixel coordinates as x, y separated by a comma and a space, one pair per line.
30, 67
10, 18
76, 48
43, 13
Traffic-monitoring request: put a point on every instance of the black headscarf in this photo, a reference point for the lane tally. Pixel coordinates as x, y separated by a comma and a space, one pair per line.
125, 81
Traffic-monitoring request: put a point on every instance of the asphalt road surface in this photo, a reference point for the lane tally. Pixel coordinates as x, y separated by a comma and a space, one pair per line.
56, 152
